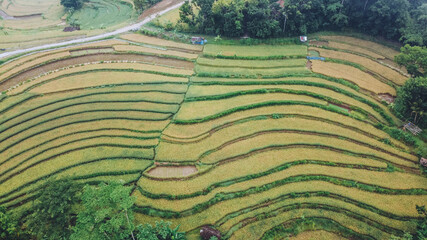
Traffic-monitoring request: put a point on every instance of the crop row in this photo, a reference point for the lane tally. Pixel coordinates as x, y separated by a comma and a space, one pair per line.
37, 102
169, 134
153, 125
289, 91
384, 71
220, 204
68, 137
264, 104
92, 105
35, 169
225, 202
362, 79
372, 46
143, 114
343, 216
297, 225
111, 76
202, 70
296, 87
201, 150
251, 64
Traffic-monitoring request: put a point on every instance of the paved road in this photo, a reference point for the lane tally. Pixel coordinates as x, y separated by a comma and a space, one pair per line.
135, 26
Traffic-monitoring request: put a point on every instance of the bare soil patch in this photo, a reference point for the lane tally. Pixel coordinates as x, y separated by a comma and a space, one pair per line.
309, 65
92, 58
387, 97
319, 43
172, 171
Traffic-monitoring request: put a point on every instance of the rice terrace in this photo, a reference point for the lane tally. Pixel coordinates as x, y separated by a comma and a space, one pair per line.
197, 127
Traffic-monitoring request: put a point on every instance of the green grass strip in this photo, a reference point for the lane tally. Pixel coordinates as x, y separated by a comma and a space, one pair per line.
273, 57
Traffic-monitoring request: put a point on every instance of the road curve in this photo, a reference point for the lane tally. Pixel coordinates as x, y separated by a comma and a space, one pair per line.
135, 26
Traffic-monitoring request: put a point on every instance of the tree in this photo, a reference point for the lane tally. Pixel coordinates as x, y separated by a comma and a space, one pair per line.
411, 101
422, 223
414, 59
52, 212
186, 14
107, 213
161, 231
75, 4
8, 228
388, 18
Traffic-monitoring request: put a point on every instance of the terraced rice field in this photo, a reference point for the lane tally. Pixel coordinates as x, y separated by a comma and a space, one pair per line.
31, 23
102, 14
245, 139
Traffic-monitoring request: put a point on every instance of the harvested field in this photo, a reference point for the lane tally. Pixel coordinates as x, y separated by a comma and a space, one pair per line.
355, 49
165, 52
373, 66
172, 171
102, 78
354, 75
371, 46
160, 42
92, 58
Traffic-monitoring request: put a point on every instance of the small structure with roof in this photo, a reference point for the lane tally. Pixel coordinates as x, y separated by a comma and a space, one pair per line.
423, 162
207, 232
414, 129
303, 38
198, 40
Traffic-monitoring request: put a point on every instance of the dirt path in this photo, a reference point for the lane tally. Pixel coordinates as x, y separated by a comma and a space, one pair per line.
158, 9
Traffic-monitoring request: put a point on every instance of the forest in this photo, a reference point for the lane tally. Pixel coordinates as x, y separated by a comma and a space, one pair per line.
403, 20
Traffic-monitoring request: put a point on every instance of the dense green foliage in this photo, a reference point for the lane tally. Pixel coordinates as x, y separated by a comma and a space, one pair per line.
52, 213
161, 231
8, 227
107, 213
392, 19
141, 5
75, 4
414, 59
422, 223
411, 101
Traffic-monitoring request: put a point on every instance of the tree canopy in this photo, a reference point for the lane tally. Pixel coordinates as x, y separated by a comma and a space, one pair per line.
414, 59
52, 212
107, 213
393, 19
75, 4
411, 101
